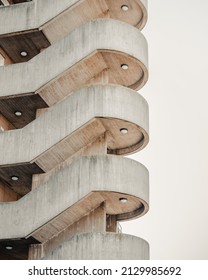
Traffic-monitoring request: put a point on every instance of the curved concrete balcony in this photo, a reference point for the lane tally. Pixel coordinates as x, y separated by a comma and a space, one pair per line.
77, 189
43, 22
70, 126
98, 49
102, 246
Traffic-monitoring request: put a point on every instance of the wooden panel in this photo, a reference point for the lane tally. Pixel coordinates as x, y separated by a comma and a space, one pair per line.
24, 172
27, 105
19, 249
30, 42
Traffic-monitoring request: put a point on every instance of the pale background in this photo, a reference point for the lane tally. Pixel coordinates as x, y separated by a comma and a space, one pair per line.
176, 226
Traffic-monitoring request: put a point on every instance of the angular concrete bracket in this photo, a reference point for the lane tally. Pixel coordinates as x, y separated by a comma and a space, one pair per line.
102, 246
77, 189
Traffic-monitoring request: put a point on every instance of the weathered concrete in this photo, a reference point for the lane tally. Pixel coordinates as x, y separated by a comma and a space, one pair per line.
38, 14
66, 117
33, 14
96, 174
81, 191
96, 35
102, 246
95, 221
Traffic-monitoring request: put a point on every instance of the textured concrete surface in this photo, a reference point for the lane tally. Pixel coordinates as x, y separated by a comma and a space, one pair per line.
35, 14
83, 176
102, 246
74, 190
101, 34
61, 120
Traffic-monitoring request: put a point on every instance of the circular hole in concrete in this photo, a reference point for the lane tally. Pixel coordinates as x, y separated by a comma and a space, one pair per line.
124, 8
125, 66
124, 130
18, 113
8, 247
24, 53
15, 178
123, 200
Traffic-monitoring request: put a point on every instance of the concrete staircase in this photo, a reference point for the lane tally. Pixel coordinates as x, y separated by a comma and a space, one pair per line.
68, 111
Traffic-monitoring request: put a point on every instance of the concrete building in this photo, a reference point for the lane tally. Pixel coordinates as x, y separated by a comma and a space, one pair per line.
69, 113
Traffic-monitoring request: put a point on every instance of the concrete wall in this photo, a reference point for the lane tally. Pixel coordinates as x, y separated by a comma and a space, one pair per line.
95, 221
102, 246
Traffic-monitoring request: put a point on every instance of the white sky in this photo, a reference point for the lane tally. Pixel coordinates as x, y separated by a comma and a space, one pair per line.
176, 226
